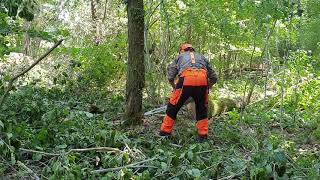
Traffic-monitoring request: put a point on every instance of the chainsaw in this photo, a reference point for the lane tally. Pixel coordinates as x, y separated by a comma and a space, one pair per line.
156, 111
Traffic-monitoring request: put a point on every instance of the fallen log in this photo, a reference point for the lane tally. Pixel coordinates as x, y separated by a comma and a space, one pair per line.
216, 107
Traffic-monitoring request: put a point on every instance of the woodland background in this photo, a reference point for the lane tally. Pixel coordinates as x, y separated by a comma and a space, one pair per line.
265, 107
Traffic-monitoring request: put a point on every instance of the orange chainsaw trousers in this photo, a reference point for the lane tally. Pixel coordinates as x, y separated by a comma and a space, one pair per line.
191, 83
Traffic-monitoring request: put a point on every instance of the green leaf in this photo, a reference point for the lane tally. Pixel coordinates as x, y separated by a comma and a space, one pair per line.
89, 115
190, 155
194, 172
37, 157
56, 166
126, 157
9, 135
280, 156
62, 146
164, 166
42, 135
182, 155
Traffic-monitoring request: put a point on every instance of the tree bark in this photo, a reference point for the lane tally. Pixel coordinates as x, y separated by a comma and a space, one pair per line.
136, 69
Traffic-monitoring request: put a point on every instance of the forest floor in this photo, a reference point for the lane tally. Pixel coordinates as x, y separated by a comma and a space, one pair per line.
73, 131
52, 133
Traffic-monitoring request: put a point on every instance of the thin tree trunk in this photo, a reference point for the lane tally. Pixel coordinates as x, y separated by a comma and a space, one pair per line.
254, 83
136, 69
26, 38
106, 7
94, 16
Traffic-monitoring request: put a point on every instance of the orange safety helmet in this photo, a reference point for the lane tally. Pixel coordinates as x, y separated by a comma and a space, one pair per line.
184, 46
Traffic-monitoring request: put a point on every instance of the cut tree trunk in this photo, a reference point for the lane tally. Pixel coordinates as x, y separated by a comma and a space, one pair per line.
136, 68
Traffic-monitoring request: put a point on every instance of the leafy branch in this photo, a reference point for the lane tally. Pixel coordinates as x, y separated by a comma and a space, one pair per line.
10, 85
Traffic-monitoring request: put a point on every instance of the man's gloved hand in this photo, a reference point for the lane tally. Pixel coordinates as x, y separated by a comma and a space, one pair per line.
211, 82
172, 83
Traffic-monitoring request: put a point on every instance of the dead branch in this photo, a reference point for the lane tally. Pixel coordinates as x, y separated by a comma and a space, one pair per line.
98, 149
6, 93
119, 168
39, 152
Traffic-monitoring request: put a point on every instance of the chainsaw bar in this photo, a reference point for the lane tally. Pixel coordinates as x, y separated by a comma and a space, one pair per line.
157, 110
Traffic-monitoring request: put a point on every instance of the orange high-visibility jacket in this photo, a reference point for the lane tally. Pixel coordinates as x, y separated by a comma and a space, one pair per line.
184, 61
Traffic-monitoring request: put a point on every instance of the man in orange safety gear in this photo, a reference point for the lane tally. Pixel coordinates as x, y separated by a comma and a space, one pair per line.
194, 78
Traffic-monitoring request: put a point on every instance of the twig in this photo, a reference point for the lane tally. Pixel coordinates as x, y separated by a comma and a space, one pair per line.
133, 165
130, 151
208, 151
176, 145
28, 170
25, 71
141, 153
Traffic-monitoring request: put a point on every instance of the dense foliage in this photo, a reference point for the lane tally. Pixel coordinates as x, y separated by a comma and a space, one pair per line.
267, 55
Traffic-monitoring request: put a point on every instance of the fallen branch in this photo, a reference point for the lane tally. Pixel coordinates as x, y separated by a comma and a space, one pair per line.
98, 149
28, 170
133, 165
25, 71
39, 152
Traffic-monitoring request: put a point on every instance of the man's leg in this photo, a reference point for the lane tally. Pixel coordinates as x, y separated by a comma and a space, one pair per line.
200, 96
177, 100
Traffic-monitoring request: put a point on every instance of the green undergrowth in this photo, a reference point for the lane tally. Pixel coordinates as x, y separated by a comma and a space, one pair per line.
263, 142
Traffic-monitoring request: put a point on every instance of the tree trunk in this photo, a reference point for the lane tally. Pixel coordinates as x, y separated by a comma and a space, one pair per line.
136, 69
94, 16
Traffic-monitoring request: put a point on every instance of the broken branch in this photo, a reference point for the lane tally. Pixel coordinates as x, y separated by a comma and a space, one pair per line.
99, 149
